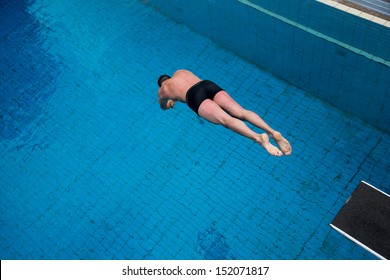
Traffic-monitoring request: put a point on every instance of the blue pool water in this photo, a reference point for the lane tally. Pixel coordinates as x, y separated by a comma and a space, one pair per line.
91, 168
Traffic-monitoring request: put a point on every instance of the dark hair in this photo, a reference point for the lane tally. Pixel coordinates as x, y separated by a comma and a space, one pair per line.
162, 79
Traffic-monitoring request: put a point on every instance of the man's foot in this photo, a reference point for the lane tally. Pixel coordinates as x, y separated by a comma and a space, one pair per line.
263, 140
283, 144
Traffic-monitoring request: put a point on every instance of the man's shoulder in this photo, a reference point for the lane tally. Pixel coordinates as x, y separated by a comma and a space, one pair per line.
183, 72
164, 89
160, 92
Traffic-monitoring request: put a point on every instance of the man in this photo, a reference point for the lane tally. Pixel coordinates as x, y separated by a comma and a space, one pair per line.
214, 104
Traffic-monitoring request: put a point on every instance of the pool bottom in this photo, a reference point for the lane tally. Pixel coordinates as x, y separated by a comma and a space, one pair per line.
101, 172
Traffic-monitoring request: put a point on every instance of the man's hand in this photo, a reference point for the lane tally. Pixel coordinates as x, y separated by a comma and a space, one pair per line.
170, 104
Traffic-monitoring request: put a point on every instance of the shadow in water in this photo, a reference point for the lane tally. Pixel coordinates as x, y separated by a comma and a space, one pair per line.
212, 245
27, 71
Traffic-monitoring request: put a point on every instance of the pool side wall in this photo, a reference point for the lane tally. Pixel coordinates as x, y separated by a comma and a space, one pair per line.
341, 58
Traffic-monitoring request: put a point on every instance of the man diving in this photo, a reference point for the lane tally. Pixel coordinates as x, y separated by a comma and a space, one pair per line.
214, 104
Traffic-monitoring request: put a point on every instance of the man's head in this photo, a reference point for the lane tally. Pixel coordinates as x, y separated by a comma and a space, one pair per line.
162, 79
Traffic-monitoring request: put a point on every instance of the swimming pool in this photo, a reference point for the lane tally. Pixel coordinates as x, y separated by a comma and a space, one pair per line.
91, 168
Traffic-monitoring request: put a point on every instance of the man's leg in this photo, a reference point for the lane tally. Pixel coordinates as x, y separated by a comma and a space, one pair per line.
212, 112
227, 103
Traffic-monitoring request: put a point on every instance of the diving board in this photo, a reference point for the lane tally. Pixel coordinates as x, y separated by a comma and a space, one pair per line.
365, 219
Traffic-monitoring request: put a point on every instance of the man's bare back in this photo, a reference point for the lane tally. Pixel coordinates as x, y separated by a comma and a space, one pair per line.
176, 87
214, 104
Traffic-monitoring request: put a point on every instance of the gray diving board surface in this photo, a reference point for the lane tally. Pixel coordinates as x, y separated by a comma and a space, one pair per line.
365, 219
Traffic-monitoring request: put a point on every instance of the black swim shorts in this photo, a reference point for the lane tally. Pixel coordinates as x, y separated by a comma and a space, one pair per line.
200, 92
